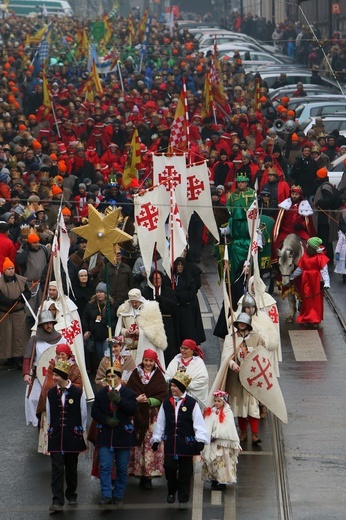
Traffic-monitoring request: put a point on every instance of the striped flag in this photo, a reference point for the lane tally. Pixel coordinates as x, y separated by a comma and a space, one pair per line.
108, 29
83, 44
179, 138
42, 52
131, 30
143, 23
133, 161
208, 103
146, 36
93, 85
216, 81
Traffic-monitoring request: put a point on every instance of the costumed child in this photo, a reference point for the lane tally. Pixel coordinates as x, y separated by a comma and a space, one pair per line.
220, 457
340, 255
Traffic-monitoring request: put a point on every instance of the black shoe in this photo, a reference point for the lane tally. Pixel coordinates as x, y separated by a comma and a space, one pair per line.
170, 499
105, 501
148, 484
55, 508
73, 502
214, 484
118, 501
221, 487
182, 506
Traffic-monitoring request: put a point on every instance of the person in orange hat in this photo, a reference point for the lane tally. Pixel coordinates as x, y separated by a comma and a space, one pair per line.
13, 329
66, 213
32, 260
7, 248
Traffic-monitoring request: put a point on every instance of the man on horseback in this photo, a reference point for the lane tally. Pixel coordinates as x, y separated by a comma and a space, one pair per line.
295, 216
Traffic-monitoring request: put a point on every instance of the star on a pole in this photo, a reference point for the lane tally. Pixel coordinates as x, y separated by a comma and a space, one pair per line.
101, 233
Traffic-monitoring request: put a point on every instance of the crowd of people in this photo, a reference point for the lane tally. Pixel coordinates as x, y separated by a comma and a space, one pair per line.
151, 376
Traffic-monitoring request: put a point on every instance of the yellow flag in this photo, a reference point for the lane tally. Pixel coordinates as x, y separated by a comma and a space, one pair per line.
37, 37
93, 85
207, 107
143, 23
133, 161
83, 44
108, 29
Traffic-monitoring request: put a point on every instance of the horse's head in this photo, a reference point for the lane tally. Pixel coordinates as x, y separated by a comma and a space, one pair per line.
286, 264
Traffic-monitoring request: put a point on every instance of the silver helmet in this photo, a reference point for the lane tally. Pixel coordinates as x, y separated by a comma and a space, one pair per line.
249, 302
244, 318
46, 317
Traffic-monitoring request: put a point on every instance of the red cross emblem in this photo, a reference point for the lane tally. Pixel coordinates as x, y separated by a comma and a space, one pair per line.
194, 187
252, 214
273, 314
262, 373
168, 175
148, 216
71, 332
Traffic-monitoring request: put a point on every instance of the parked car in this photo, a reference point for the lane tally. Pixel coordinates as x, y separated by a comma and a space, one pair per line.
336, 170
256, 53
336, 122
321, 108
295, 76
311, 90
295, 102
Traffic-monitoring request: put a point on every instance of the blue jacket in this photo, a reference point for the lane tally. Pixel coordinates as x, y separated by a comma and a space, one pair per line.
123, 435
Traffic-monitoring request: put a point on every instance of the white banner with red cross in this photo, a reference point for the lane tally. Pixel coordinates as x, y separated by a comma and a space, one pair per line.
199, 197
151, 212
258, 378
170, 171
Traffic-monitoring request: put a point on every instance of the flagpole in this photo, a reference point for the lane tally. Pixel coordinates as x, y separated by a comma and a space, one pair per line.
229, 289
55, 119
171, 221
187, 120
120, 76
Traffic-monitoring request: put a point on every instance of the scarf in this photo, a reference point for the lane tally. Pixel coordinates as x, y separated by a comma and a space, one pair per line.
145, 415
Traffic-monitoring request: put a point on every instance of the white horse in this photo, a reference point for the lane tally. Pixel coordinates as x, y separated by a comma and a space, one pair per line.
289, 255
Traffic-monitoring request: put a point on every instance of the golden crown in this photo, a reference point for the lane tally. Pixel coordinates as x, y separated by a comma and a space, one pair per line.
183, 378
63, 366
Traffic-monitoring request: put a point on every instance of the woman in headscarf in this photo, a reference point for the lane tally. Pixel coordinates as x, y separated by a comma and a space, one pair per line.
190, 360
149, 384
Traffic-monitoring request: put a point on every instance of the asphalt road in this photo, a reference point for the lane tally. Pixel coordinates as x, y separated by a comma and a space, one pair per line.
314, 390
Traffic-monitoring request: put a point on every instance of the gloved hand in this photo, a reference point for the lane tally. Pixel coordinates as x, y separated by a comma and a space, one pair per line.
225, 231
337, 257
114, 396
112, 422
298, 227
20, 299
200, 446
155, 446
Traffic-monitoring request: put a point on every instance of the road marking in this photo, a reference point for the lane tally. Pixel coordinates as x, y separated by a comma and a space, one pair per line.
307, 345
197, 494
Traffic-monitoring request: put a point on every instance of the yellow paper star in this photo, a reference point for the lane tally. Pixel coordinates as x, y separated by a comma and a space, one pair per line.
101, 233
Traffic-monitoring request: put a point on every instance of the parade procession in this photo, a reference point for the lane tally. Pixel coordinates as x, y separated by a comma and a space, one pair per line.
172, 273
